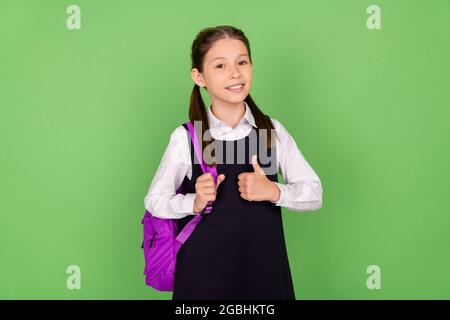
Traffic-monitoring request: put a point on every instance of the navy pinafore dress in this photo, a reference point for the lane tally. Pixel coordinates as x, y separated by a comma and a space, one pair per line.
237, 251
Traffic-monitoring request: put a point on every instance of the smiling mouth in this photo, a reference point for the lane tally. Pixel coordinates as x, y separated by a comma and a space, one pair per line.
236, 88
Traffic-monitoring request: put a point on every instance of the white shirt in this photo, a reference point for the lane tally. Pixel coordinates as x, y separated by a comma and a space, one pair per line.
302, 190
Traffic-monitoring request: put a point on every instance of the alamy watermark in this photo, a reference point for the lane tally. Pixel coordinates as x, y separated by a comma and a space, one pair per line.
237, 153
374, 280
374, 20
74, 19
74, 279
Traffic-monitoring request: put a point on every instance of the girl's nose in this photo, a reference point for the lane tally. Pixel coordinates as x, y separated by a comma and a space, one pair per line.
235, 73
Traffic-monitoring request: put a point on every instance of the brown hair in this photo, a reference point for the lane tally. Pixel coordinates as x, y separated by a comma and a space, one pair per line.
197, 110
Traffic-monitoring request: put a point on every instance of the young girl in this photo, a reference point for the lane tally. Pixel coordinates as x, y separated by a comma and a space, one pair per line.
238, 250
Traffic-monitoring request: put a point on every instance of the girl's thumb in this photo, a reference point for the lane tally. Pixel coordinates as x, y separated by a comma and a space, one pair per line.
220, 178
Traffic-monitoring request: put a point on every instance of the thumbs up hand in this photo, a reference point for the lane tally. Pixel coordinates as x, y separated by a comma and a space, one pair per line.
255, 186
205, 190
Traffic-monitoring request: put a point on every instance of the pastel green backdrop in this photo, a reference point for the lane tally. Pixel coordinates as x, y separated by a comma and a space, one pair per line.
86, 115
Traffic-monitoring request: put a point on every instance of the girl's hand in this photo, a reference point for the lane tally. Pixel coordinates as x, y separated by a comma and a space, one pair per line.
255, 186
205, 190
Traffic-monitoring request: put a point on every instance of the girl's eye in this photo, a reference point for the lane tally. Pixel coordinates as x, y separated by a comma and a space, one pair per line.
218, 66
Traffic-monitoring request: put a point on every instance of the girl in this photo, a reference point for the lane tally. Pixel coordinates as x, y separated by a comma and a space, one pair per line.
238, 250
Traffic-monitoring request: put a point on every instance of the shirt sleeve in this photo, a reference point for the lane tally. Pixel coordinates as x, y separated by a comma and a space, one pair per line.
161, 199
302, 190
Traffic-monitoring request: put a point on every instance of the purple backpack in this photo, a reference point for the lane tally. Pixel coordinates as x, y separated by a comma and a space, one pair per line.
162, 239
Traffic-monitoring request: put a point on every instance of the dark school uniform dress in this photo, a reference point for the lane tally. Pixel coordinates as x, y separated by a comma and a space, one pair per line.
237, 251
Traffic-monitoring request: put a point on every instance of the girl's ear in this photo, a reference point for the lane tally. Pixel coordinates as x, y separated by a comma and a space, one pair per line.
197, 77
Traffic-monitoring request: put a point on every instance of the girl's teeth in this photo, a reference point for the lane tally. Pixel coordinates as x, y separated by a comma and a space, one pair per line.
235, 87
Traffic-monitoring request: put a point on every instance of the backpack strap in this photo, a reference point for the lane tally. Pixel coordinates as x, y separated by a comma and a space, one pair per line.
199, 153
189, 228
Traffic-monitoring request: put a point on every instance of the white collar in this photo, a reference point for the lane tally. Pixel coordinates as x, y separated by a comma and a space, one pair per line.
248, 116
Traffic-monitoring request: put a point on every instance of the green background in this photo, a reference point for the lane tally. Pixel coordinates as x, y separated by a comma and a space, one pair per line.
85, 116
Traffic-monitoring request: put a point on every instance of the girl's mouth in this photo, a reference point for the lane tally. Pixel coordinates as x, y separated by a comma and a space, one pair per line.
236, 88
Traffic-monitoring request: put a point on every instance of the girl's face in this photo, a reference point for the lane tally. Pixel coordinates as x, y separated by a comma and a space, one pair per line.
226, 64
